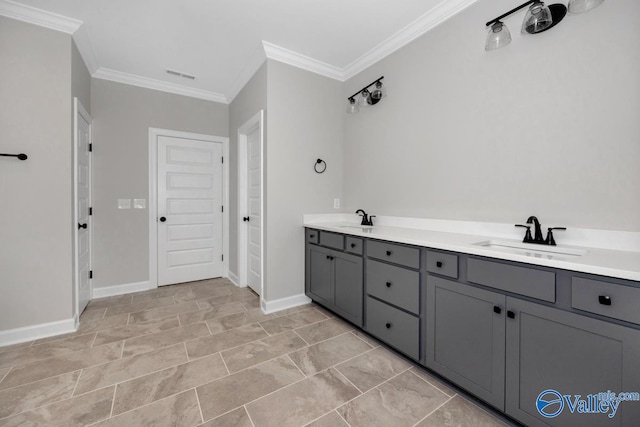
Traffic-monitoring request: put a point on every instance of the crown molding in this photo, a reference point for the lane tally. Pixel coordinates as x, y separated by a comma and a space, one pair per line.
81, 38
431, 19
131, 79
295, 59
39, 17
254, 64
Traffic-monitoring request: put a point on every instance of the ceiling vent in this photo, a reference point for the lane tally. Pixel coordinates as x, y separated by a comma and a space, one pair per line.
179, 74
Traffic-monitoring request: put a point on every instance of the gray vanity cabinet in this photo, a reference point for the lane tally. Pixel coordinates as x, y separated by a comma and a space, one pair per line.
335, 279
547, 348
465, 337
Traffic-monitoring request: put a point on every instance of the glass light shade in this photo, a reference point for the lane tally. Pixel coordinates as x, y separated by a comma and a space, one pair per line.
579, 6
378, 93
537, 19
499, 36
363, 98
352, 108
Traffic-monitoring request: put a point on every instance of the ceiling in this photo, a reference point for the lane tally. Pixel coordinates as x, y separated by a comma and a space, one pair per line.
223, 42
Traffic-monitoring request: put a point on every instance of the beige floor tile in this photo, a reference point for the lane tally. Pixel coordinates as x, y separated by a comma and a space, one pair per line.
297, 309
158, 385
422, 373
303, 401
16, 346
78, 411
402, 401
129, 331
233, 321
40, 393
59, 365
161, 292
235, 418
293, 321
139, 306
460, 412
150, 342
130, 367
163, 312
208, 292
224, 340
323, 330
366, 338
224, 299
211, 313
211, 283
225, 394
260, 351
373, 368
110, 301
180, 410
92, 325
252, 303
3, 373
22, 356
92, 313
332, 419
321, 356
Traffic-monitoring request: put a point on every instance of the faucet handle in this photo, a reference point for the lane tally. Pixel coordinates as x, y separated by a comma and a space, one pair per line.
550, 240
371, 219
527, 236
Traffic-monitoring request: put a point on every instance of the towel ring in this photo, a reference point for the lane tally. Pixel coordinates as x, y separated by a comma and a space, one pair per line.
320, 166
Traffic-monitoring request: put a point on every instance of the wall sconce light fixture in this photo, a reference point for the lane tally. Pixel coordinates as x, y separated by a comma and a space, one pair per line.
367, 96
538, 18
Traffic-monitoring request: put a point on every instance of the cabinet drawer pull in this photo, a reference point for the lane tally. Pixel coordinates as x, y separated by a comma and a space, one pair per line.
388, 325
353, 245
604, 299
511, 314
388, 284
439, 264
497, 309
388, 253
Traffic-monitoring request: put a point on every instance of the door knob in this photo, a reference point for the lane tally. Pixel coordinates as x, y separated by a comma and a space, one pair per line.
82, 226
246, 218
163, 219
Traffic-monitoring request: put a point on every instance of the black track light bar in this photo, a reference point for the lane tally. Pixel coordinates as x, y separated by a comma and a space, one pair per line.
523, 5
364, 88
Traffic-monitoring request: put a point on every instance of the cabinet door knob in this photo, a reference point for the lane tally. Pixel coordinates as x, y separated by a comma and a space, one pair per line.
388, 284
388, 325
312, 236
497, 309
511, 314
439, 264
353, 245
604, 299
388, 253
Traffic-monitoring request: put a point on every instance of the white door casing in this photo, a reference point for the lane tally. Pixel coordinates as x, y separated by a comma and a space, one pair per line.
250, 204
82, 226
187, 189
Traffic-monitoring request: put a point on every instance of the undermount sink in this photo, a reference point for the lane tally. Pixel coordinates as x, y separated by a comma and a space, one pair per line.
531, 249
357, 227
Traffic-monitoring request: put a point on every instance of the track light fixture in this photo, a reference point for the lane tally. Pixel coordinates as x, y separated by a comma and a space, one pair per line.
367, 96
538, 18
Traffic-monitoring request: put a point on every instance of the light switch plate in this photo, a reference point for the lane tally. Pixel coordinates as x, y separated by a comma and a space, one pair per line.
124, 203
336, 203
139, 203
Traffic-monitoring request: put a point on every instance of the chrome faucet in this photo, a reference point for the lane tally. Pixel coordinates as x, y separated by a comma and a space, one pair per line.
366, 219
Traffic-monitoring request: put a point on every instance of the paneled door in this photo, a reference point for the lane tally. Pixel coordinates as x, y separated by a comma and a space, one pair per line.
82, 187
254, 201
189, 183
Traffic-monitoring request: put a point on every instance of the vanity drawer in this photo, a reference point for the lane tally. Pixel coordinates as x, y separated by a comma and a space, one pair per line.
397, 254
519, 280
607, 299
441, 263
332, 240
313, 236
354, 245
394, 327
395, 285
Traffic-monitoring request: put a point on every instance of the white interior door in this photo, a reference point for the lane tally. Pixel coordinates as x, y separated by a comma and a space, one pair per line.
254, 203
189, 208
82, 180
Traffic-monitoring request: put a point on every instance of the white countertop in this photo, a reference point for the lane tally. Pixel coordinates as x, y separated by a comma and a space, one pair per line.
605, 262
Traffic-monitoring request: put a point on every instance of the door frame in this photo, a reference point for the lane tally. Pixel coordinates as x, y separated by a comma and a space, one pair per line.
257, 121
78, 109
154, 133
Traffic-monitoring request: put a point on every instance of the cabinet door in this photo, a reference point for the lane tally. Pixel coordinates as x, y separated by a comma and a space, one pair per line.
348, 287
465, 337
550, 349
320, 274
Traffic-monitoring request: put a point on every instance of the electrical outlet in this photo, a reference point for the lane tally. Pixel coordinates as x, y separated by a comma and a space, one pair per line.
139, 203
336, 203
124, 203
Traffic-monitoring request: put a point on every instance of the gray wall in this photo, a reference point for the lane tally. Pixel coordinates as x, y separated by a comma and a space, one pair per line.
122, 116
35, 195
305, 123
547, 125
251, 99
80, 79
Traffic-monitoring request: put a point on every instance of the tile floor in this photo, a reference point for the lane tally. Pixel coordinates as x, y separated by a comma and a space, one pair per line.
203, 353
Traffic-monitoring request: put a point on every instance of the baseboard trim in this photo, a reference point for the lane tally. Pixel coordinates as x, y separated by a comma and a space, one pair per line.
34, 332
269, 307
234, 279
127, 288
